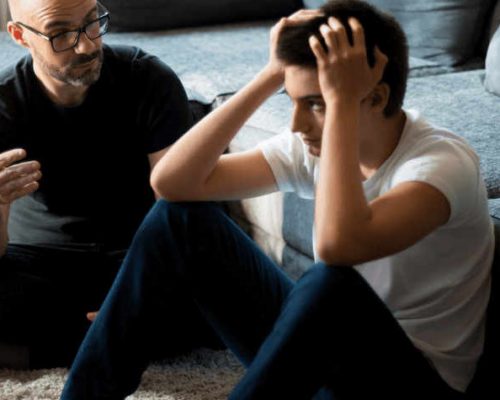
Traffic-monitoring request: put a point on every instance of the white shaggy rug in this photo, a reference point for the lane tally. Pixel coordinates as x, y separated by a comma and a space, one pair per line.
201, 375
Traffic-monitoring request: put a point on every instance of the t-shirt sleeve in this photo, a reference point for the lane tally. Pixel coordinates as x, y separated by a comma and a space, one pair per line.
292, 170
7, 126
164, 111
451, 168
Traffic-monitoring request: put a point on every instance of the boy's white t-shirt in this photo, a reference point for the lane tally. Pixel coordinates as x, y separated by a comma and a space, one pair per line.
438, 289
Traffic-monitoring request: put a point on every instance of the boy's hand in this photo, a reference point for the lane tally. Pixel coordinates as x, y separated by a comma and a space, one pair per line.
343, 71
275, 65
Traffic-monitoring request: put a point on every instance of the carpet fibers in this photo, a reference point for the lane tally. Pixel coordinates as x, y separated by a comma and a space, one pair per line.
201, 375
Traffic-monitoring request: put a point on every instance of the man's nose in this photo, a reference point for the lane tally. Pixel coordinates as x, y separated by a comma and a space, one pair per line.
85, 45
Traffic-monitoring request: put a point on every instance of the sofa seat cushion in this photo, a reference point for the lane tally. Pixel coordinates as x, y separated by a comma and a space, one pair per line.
494, 206
459, 102
210, 60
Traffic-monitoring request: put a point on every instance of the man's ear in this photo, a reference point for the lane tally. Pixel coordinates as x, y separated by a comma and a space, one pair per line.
379, 97
17, 34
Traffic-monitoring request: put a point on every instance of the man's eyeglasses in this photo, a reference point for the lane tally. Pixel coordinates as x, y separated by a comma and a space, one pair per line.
67, 40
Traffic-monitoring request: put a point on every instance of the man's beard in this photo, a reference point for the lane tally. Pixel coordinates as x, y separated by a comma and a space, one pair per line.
71, 75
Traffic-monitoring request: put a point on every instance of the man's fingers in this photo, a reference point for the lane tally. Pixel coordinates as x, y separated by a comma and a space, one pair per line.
8, 158
26, 167
91, 316
17, 171
17, 194
18, 185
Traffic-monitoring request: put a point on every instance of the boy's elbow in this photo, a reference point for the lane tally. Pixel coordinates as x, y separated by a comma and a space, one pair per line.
336, 252
160, 187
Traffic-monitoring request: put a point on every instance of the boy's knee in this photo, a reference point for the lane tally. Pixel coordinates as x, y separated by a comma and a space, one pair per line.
183, 223
341, 279
164, 208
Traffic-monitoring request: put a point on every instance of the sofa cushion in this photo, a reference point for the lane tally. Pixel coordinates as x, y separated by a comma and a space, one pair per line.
445, 31
209, 60
494, 207
135, 15
492, 79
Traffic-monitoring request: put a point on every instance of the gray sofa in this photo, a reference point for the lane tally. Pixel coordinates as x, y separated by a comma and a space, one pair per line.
214, 61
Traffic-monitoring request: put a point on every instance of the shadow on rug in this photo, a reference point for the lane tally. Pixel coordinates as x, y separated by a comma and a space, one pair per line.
201, 375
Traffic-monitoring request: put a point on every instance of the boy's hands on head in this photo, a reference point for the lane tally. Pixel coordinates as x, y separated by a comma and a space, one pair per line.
275, 65
343, 71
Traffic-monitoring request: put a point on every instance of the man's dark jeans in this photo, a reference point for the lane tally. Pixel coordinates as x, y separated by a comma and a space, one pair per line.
45, 294
327, 336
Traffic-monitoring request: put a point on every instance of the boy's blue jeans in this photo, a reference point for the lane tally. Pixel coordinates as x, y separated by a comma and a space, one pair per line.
328, 336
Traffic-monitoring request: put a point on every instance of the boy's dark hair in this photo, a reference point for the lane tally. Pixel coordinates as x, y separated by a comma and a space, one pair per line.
380, 29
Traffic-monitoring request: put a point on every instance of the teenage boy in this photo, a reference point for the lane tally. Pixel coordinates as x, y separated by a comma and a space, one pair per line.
394, 308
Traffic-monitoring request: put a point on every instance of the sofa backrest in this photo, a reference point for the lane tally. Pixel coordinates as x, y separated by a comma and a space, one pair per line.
139, 15
447, 32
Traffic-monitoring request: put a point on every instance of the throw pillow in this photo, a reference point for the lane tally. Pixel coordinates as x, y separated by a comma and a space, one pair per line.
444, 31
138, 15
492, 79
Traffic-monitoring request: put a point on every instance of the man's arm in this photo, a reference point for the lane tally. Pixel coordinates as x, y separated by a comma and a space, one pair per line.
16, 180
349, 230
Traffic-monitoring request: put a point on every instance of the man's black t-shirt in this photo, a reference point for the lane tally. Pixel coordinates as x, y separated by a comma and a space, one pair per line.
95, 185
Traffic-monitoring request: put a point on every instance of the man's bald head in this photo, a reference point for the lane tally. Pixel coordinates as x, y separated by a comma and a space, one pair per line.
21, 9
36, 10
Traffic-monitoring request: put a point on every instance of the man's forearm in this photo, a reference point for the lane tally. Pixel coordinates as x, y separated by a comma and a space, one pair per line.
4, 240
4, 235
189, 162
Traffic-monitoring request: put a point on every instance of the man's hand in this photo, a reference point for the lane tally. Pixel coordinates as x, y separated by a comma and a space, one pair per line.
275, 65
17, 180
344, 73
91, 316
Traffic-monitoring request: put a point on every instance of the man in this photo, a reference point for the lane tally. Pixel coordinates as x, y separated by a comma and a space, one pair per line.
395, 306
81, 125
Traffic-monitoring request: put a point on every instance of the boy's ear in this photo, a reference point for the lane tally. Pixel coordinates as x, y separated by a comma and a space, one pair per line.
379, 97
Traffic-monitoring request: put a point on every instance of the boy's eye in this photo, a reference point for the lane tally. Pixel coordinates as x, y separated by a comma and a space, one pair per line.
317, 105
